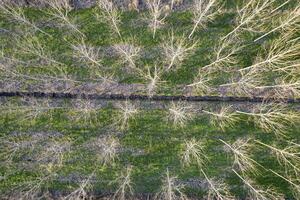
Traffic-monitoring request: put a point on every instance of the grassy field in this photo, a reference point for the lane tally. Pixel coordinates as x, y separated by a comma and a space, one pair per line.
74, 149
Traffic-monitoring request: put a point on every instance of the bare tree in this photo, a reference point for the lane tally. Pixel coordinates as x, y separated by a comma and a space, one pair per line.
217, 189
224, 56
88, 54
171, 189
203, 12
283, 52
81, 192
193, 151
84, 110
252, 16
284, 88
153, 78
287, 21
129, 54
158, 14
17, 14
124, 190
293, 181
126, 111
288, 156
224, 118
246, 84
201, 84
111, 14
242, 158
60, 9
107, 149
257, 193
177, 49
273, 118
179, 113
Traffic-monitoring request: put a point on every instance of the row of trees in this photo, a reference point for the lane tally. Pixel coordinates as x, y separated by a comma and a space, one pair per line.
280, 57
